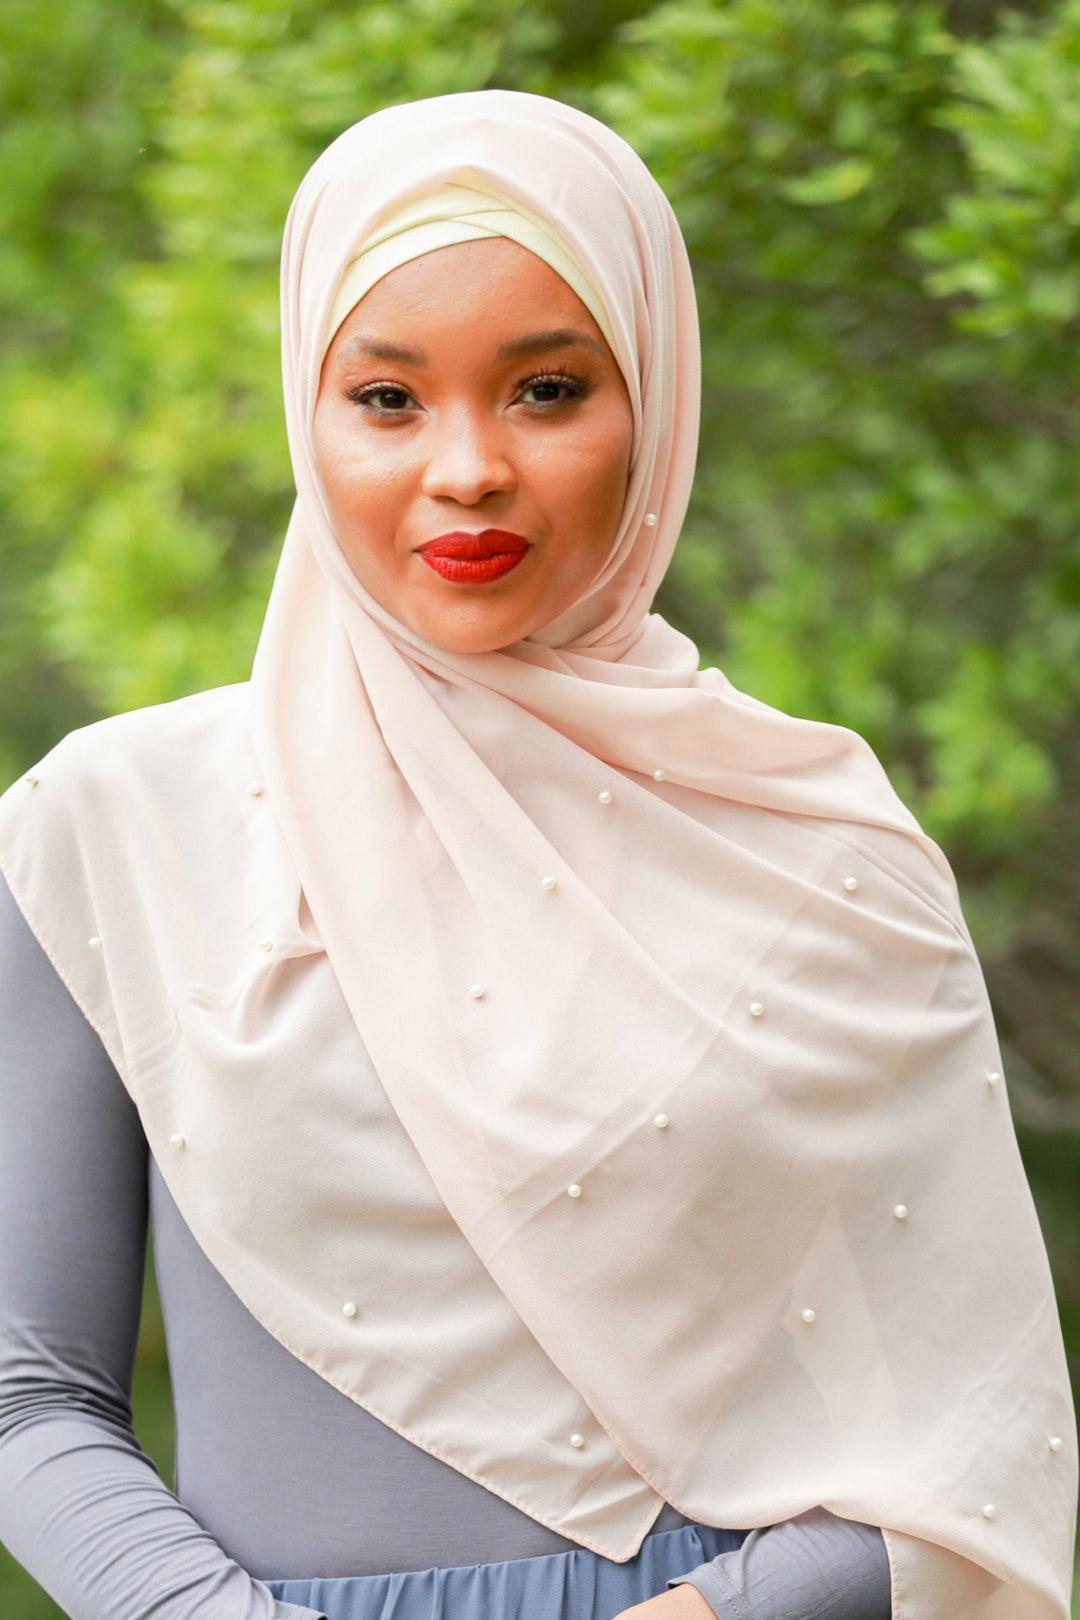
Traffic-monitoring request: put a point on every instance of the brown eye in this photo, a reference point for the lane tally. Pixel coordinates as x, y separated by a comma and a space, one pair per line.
543, 392
382, 397
552, 390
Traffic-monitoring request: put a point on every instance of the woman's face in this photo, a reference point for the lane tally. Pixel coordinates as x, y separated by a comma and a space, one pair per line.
472, 433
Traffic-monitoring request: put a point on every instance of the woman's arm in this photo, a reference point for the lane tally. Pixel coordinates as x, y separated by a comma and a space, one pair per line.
81, 1505
813, 1567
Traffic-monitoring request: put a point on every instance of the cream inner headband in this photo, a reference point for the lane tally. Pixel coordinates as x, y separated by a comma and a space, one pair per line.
444, 217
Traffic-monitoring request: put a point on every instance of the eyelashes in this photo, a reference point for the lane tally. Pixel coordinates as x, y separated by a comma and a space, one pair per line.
389, 399
576, 386
368, 393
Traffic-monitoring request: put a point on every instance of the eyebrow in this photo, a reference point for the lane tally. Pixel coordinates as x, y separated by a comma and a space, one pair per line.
376, 349
564, 337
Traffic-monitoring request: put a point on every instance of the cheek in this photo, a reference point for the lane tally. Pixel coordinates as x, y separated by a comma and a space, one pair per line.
360, 480
594, 474
583, 494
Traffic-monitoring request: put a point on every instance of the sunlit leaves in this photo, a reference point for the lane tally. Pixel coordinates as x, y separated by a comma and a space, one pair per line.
874, 205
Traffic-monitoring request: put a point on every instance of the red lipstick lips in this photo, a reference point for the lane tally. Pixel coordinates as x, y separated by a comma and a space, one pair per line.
474, 559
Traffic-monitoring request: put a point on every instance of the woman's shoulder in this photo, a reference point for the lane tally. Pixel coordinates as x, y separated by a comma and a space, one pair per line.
121, 821
161, 743
124, 790
156, 730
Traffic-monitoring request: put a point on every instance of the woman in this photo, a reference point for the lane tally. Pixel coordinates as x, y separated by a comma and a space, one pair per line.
574, 1117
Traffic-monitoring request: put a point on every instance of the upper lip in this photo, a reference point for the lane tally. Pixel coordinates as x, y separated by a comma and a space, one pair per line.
474, 547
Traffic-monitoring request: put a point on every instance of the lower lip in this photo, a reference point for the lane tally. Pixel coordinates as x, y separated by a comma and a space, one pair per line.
472, 570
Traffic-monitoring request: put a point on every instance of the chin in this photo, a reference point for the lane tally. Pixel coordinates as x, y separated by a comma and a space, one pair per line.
469, 636
471, 645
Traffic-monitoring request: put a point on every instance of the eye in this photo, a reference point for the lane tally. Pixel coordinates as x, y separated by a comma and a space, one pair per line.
383, 399
554, 388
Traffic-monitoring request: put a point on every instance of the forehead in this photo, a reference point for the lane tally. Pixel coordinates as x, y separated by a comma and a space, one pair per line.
493, 284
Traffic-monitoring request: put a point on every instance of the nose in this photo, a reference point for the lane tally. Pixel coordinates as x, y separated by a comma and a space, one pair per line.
467, 458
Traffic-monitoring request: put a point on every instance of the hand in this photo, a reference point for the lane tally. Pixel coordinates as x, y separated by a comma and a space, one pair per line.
678, 1603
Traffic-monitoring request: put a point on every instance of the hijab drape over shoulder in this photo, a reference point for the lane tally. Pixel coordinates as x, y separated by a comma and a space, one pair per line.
688, 1175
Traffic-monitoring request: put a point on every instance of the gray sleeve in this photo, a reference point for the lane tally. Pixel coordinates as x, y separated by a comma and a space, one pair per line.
81, 1506
813, 1567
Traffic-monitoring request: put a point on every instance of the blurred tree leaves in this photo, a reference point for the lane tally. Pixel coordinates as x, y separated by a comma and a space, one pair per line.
77, 92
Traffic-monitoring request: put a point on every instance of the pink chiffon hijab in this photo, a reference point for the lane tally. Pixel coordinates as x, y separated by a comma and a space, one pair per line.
658, 997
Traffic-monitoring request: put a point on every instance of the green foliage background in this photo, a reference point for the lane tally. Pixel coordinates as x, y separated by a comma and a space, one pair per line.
882, 202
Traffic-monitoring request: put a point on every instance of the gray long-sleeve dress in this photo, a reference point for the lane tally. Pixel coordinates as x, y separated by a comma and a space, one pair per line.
278, 1474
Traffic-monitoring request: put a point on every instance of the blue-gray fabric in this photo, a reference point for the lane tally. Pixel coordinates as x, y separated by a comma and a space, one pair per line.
574, 1585
279, 1477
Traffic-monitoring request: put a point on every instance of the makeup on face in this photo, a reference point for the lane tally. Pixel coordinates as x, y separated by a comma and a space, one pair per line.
474, 559
472, 419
